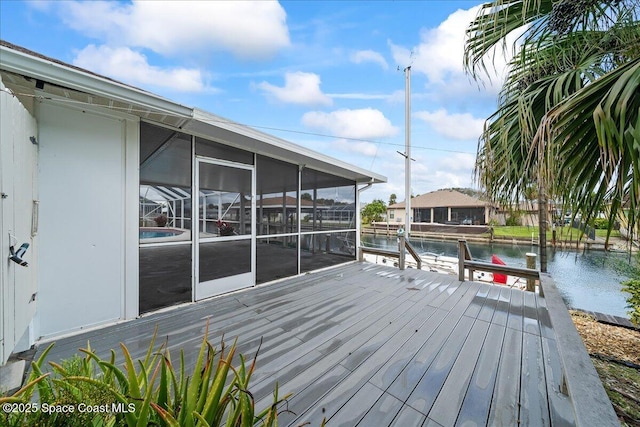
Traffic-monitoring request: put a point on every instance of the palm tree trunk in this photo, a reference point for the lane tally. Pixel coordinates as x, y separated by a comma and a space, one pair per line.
542, 228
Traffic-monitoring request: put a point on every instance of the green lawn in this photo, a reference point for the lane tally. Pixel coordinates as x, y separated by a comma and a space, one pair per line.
603, 233
562, 233
516, 232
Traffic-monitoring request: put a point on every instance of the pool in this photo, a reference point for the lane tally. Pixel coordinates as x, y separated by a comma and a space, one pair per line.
154, 233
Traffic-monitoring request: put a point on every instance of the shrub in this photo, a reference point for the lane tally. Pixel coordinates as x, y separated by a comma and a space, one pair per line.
514, 219
632, 287
215, 393
600, 223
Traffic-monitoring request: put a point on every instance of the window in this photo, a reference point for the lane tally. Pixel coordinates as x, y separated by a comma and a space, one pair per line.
164, 217
277, 197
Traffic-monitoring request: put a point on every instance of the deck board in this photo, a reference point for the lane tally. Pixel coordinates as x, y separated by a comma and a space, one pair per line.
370, 345
474, 409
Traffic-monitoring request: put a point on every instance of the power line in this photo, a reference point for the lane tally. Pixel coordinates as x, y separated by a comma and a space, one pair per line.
130, 110
357, 139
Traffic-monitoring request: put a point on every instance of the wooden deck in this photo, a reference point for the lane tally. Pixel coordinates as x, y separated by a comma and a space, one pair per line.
369, 345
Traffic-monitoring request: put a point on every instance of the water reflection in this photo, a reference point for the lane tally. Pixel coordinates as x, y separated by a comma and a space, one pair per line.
587, 280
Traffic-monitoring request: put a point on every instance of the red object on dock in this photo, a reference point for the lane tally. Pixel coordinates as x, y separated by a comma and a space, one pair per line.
497, 277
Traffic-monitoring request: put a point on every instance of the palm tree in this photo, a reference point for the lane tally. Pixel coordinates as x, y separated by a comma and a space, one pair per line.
568, 117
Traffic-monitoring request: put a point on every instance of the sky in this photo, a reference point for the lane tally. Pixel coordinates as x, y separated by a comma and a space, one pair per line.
327, 75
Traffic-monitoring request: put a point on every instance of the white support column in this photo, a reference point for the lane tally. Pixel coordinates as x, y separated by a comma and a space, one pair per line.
407, 159
299, 208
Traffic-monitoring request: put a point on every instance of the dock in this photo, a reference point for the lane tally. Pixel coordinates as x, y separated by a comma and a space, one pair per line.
369, 345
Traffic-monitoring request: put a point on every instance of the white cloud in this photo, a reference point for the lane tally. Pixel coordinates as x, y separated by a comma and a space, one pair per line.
364, 148
41, 5
247, 29
456, 126
360, 96
127, 65
366, 123
369, 56
439, 55
299, 88
398, 96
445, 179
457, 162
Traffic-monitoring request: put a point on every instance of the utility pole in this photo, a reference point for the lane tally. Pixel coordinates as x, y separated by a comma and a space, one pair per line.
408, 217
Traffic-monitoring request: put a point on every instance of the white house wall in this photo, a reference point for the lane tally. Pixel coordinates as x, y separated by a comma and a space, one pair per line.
82, 220
18, 288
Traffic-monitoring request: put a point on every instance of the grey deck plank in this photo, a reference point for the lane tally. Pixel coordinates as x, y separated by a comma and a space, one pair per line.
402, 386
530, 314
466, 341
418, 385
545, 321
364, 370
444, 291
515, 318
460, 294
490, 303
504, 409
478, 301
308, 396
340, 333
560, 408
534, 410
448, 401
408, 417
351, 340
396, 364
407, 326
477, 401
501, 313
382, 412
282, 373
351, 413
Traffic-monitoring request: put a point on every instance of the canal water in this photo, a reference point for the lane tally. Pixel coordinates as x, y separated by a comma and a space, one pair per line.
587, 280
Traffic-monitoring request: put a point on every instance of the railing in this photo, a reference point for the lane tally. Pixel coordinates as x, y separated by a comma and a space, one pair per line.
395, 254
466, 262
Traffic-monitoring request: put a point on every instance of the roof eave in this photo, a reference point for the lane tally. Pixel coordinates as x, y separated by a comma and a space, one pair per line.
61, 75
208, 124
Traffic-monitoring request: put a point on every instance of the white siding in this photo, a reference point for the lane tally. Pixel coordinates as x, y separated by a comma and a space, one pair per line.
18, 158
82, 230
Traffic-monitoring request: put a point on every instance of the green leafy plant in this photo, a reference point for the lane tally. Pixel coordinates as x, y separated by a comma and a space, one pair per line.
632, 287
600, 223
514, 219
373, 211
149, 392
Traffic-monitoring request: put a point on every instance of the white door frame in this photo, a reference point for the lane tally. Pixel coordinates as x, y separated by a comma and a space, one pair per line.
231, 283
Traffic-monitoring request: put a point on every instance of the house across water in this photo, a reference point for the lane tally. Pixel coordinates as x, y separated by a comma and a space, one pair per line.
444, 207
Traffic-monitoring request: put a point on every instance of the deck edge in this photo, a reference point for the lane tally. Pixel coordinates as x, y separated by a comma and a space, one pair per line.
591, 404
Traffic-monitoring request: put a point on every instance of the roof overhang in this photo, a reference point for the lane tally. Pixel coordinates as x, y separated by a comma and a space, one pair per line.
234, 134
30, 74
